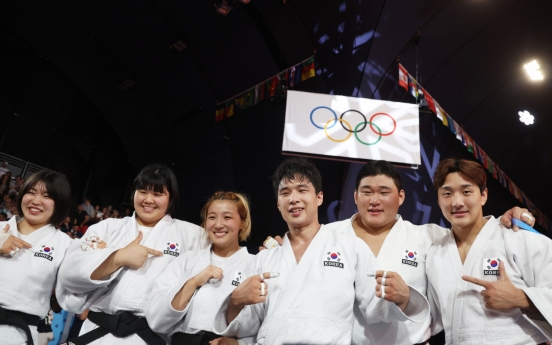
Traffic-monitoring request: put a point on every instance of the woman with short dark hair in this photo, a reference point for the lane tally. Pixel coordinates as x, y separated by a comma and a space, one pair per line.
115, 282
32, 251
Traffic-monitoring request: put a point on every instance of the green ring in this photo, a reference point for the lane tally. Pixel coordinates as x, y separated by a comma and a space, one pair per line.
371, 123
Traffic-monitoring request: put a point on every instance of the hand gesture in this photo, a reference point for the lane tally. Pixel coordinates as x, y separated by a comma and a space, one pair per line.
391, 287
210, 272
93, 242
253, 290
271, 242
134, 255
13, 244
501, 294
520, 213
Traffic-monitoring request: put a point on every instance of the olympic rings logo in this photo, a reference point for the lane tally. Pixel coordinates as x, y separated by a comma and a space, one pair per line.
356, 129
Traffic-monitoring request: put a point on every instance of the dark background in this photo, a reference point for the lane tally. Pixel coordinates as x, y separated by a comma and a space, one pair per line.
97, 89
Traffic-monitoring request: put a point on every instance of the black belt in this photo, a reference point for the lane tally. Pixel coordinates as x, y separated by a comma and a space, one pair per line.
201, 338
120, 325
19, 320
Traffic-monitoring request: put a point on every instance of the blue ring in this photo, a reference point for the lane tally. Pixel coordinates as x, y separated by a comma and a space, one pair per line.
322, 107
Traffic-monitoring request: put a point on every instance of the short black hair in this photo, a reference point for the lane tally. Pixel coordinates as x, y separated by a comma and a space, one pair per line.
297, 167
374, 168
156, 177
58, 189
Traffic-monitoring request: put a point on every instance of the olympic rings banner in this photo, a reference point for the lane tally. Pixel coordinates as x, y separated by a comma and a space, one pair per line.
351, 128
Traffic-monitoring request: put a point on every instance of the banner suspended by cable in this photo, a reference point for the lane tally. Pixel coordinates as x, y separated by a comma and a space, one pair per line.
352, 129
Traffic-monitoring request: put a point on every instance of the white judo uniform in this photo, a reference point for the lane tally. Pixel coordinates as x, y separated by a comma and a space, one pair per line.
28, 278
311, 302
403, 251
458, 306
126, 289
200, 312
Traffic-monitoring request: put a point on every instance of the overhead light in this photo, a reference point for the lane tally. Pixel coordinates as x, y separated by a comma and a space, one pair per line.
223, 7
245, 1
533, 69
526, 117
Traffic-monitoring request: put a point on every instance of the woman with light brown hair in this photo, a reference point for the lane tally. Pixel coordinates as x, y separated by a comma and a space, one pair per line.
184, 303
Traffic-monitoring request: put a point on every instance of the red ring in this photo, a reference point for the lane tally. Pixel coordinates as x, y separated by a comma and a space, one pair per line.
384, 135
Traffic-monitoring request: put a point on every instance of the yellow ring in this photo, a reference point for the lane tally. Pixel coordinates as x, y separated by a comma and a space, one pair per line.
336, 140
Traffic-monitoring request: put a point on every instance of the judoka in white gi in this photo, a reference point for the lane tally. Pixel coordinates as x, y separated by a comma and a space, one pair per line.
115, 282
487, 285
185, 302
321, 274
398, 245
31, 251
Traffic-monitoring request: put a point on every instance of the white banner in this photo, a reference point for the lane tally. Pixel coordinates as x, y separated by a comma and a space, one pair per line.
351, 128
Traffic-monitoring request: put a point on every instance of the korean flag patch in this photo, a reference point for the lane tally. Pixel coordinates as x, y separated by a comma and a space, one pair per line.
490, 266
237, 278
410, 257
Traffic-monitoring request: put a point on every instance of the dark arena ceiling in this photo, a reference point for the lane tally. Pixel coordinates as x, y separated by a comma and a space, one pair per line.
97, 89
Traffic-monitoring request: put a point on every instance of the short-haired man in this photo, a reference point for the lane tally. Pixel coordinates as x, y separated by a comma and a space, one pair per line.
398, 245
487, 284
321, 274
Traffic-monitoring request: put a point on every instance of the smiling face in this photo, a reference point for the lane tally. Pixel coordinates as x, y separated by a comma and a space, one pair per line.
298, 202
223, 224
461, 202
37, 206
378, 201
150, 206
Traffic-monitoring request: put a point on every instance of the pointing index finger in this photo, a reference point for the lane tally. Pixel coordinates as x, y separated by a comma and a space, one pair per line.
477, 281
154, 252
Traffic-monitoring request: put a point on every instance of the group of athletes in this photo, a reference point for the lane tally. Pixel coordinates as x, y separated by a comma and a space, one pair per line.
371, 279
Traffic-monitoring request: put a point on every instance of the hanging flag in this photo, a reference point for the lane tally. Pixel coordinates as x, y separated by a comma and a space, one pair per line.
484, 160
490, 164
458, 130
308, 69
259, 93
248, 98
283, 78
298, 70
510, 185
291, 77
403, 77
502, 179
229, 109
468, 142
271, 85
239, 101
219, 114
412, 86
450, 123
430, 101
439, 112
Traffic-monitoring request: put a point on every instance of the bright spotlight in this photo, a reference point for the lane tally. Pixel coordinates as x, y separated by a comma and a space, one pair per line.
533, 69
526, 117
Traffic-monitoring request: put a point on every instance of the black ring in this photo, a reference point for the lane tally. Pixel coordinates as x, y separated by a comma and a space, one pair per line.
352, 131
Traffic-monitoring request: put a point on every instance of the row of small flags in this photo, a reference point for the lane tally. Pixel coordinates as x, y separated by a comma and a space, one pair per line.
267, 89
416, 90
